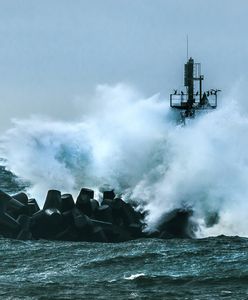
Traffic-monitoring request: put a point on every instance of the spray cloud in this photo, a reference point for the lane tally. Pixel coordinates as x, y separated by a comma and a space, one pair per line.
133, 144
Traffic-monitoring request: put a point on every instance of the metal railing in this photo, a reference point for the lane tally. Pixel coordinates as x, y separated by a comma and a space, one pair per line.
181, 101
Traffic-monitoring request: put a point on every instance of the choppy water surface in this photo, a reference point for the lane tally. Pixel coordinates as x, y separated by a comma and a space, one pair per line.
212, 268
211, 178
9, 182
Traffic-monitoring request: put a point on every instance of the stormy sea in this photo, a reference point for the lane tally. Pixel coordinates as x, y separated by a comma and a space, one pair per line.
209, 268
137, 147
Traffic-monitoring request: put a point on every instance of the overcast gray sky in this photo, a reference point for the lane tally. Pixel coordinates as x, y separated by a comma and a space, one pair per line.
52, 51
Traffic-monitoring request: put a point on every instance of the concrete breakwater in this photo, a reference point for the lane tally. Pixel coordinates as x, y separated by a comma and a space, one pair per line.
62, 218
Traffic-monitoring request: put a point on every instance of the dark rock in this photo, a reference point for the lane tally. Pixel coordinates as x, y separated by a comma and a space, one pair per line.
24, 235
46, 223
24, 221
109, 195
83, 224
135, 230
12, 206
98, 235
117, 204
83, 202
21, 197
94, 205
130, 216
108, 202
62, 219
152, 234
32, 209
81, 221
15, 205
8, 222
125, 212
104, 225
69, 234
53, 200
86, 194
33, 206
68, 219
75, 226
113, 233
4, 199
53, 215
176, 224
67, 202
104, 213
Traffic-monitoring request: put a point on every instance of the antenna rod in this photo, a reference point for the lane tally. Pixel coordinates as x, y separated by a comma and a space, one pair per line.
187, 48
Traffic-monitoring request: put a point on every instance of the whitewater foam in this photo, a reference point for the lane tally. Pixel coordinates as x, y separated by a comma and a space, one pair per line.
134, 276
134, 145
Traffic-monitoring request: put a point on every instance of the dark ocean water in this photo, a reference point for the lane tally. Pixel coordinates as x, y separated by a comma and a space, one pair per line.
211, 268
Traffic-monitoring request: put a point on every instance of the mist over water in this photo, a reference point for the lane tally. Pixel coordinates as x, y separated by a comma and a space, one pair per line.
113, 144
135, 145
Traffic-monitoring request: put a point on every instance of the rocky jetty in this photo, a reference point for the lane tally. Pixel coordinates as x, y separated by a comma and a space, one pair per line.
61, 218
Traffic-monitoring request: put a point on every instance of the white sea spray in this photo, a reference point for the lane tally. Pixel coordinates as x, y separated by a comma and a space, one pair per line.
134, 145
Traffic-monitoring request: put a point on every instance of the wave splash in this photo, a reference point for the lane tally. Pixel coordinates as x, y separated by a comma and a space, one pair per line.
134, 145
